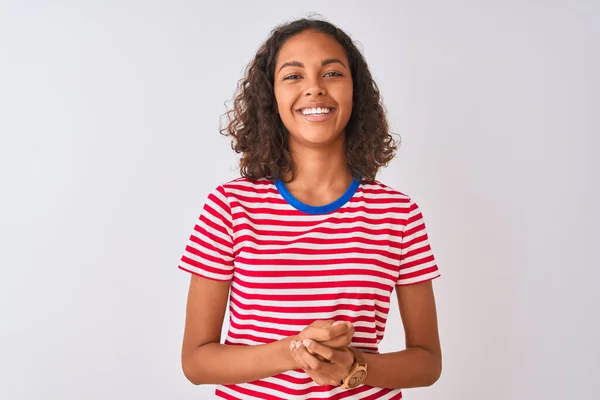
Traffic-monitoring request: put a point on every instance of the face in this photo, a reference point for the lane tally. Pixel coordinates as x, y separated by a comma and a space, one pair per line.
313, 88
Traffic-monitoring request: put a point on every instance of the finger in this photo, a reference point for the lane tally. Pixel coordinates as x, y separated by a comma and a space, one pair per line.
294, 349
341, 341
342, 359
323, 367
319, 349
318, 370
323, 333
307, 358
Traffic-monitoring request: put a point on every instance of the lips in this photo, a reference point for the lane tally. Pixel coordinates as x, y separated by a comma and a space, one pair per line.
314, 105
317, 116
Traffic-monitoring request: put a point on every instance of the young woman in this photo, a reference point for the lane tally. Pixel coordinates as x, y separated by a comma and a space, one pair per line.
307, 245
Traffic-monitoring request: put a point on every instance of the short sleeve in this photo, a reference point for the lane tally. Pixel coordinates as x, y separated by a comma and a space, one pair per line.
417, 263
209, 251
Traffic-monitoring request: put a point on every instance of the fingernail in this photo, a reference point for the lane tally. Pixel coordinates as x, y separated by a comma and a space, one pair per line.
298, 344
337, 323
292, 346
349, 324
306, 342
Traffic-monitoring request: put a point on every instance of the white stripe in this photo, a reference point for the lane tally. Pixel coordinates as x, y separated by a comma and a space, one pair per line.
203, 261
291, 315
308, 303
318, 279
207, 274
417, 268
318, 235
330, 290
288, 327
310, 246
420, 278
366, 257
414, 236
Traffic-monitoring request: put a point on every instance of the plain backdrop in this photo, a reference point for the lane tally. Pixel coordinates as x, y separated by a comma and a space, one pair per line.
109, 117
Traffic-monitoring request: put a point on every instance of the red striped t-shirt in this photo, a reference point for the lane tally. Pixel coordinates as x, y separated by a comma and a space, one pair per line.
290, 264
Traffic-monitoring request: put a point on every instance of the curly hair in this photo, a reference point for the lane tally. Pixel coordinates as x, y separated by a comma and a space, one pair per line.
259, 134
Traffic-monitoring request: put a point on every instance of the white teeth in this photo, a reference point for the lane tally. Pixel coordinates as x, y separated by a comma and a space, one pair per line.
315, 111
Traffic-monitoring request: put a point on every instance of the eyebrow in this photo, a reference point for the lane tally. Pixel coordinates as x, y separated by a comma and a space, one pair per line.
323, 63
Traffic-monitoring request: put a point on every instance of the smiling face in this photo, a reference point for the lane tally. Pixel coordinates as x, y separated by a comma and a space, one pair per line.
313, 88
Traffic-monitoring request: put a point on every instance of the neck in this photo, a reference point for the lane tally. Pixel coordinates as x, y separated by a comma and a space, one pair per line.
320, 168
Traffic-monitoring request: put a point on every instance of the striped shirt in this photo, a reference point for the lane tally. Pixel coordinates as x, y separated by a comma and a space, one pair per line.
290, 264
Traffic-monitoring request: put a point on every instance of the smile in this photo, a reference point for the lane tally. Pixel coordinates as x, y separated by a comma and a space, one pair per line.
316, 114
316, 111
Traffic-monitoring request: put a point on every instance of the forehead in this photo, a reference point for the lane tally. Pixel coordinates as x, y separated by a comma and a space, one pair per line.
311, 44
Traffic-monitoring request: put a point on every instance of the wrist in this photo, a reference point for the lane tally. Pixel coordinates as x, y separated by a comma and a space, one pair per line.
357, 373
286, 355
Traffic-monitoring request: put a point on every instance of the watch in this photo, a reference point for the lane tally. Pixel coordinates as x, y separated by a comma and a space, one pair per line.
358, 371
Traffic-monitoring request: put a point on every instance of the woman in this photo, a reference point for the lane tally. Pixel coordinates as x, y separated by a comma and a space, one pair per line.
307, 245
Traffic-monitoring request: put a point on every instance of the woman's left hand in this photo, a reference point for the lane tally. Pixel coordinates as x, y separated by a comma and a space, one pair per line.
332, 370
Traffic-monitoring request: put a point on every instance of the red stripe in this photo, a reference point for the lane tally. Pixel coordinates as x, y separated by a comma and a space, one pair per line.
297, 213
418, 239
418, 273
224, 207
310, 297
204, 267
423, 260
222, 394
317, 241
416, 251
331, 220
413, 230
207, 246
311, 285
265, 332
320, 251
301, 322
324, 230
258, 395
294, 309
202, 232
328, 261
202, 275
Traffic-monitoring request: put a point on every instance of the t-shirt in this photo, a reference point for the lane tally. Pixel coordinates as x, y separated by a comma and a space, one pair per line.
290, 264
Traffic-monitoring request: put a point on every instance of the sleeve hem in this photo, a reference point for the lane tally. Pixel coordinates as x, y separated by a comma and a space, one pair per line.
212, 278
419, 281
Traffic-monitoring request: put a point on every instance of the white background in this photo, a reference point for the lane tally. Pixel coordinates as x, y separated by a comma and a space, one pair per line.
109, 114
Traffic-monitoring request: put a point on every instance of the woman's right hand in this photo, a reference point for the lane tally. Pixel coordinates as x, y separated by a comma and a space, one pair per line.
334, 334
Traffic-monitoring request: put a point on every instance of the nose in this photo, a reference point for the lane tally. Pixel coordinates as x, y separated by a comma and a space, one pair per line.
314, 88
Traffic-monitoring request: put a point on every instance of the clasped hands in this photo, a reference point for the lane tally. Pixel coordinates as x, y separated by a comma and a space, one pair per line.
321, 350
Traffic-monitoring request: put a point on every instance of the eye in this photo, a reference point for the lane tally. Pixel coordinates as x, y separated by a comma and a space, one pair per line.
293, 76
333, 73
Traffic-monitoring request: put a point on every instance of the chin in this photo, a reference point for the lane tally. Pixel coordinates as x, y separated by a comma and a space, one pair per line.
318, 139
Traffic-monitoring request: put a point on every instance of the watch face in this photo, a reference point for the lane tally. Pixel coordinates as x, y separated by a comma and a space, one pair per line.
357, 379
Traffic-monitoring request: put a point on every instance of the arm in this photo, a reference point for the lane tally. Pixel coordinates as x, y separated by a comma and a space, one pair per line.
421, 363
205, 360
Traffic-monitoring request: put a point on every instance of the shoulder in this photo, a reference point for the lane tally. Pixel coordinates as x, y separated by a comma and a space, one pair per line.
244, 188
377, 189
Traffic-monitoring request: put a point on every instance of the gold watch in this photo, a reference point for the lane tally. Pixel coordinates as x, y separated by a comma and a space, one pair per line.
358, 371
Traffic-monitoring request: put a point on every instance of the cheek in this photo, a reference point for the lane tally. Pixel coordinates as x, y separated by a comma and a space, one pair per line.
282, 101
343, 95
347, 102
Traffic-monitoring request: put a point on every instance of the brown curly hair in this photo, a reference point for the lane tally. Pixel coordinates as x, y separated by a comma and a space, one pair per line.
259, 134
